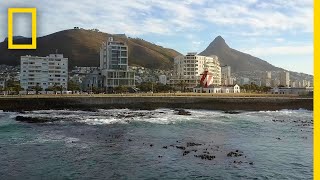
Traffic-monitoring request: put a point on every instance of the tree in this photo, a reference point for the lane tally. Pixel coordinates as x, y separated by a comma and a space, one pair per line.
121, 89
50, 88
37, 88
73, 86
145, 86
54, 88
60, 88
163, 88
265, 89
182, 85
12, 85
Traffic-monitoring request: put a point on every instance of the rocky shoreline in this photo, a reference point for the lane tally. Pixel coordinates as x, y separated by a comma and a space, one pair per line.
230, 105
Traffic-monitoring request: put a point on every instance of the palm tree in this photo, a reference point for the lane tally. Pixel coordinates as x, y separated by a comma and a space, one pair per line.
182, 85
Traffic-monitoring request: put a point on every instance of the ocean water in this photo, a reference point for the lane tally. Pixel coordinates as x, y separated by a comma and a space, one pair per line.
158, 144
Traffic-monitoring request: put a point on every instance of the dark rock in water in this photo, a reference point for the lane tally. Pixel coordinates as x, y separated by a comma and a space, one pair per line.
193, 144
34, 119
182, 112
251, 163
277, 120
234, 154
165, 147
205, 157
181, 147
186, 152
232, 112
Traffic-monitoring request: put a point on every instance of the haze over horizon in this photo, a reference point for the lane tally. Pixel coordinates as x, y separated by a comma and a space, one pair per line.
278, 31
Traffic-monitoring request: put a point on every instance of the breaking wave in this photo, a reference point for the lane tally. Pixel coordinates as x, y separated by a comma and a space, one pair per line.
159, 116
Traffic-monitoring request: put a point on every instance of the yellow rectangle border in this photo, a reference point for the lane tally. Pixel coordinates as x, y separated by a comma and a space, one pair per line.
33, 12
316, 98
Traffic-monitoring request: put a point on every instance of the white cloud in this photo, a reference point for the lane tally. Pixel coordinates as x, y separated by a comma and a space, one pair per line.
292, 16
187, 23
279, 40
136, 17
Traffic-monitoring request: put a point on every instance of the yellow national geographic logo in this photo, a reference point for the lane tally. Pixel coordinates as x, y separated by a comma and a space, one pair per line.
33, 12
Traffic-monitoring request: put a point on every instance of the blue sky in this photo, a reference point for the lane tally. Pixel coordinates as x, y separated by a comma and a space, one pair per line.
278, 31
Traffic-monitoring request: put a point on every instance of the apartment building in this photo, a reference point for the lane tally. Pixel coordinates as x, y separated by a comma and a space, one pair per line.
114, 64
267, 79
226, 78
44, 72
189, 68
285, 79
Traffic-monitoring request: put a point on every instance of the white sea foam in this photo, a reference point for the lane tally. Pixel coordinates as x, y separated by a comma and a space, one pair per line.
159, 116
284, 112
101, 121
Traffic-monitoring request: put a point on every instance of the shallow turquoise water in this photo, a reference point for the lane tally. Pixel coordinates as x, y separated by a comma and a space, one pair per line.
125, 144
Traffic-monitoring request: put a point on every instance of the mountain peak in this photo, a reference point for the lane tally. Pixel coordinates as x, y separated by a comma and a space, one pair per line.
219, 42
218, 38
237, 60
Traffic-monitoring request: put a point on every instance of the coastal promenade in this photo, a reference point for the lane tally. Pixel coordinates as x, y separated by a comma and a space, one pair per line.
224, 102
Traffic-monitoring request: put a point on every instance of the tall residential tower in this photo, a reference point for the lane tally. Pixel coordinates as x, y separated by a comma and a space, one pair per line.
285, 79
114, 64
188, 69
226, 78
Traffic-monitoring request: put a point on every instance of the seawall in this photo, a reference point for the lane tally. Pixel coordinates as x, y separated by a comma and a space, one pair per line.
92, 103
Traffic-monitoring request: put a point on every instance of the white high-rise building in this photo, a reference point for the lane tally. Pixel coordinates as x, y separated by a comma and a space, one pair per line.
114, 64
226, 78
266, 79
44, 72
305, 83
188, 69
285, 79
293, 84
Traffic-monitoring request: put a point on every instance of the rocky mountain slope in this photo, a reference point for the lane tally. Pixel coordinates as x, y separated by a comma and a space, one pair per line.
82, 48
